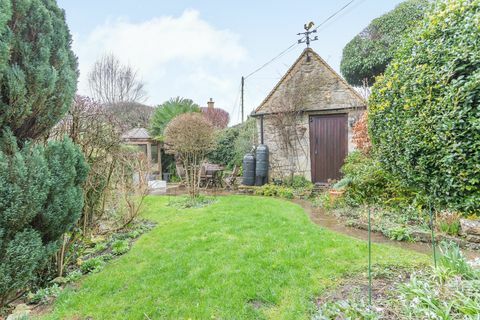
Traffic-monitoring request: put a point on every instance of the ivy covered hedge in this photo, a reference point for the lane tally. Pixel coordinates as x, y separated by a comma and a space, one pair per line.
424, 116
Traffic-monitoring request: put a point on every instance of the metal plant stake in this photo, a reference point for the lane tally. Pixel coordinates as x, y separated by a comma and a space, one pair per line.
369, 258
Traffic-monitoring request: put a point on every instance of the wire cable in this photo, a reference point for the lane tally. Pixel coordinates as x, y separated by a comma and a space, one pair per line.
297, 42
334, 14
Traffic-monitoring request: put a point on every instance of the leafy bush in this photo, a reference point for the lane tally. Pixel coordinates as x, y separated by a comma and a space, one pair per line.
99, 247
360, 137
423, 113
271, 190
399, 234
120, 247
92, 265
296, 181
224, 152
233, 143
73, 276
247, 137
43, 295
366, 182
367, 55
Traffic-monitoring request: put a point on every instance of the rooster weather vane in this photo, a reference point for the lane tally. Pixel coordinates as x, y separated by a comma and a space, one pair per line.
306, 35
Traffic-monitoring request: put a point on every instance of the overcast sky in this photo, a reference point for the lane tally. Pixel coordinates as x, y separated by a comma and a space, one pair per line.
200, 49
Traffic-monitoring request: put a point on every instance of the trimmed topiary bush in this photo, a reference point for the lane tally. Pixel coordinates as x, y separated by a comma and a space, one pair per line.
424, 116
368, 53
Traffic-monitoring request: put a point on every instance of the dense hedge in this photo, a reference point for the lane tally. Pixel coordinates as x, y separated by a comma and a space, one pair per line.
424, 116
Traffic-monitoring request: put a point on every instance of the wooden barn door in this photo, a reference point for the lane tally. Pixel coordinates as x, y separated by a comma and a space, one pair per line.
328, 146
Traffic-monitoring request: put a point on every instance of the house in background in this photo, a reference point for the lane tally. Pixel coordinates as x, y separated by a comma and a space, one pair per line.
306, 121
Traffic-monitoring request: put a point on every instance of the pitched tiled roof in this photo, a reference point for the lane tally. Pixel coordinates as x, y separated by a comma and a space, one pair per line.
136, 133
290, 70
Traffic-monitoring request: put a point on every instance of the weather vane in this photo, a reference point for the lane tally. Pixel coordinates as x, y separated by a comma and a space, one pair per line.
306, 35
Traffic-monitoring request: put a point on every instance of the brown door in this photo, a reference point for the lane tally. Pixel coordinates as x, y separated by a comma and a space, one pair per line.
328, 146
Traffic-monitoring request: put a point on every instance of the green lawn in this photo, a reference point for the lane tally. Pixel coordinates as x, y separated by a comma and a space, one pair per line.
243, 257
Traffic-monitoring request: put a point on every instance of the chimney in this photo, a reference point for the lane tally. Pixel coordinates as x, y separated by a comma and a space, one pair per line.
210, 104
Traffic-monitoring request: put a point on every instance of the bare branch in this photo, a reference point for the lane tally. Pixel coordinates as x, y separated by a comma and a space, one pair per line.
111, 82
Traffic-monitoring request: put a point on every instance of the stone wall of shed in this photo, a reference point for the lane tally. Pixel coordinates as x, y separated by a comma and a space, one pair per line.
283, 160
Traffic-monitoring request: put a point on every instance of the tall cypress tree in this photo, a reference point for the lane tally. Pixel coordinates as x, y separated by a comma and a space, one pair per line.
40, 186
38, 70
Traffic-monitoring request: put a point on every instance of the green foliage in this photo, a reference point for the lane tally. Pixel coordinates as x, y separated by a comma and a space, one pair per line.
38, 70
225, 153
92, 265
345, 309
453, 259
168, 110
424, 119
450, 228
366, 182
44, 295
296, 182
73, 276
272, 190
40, 186
399, 234
233, 143
247, 138
188, 202
41, 194
368, 54
120, 247
99, 247
451, 291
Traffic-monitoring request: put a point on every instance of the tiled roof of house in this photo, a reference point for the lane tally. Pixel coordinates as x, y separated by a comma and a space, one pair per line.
136, 133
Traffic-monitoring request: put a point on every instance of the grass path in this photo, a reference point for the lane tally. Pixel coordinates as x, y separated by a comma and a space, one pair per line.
243, 257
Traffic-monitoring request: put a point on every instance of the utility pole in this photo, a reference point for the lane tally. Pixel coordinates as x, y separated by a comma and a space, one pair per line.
243, 86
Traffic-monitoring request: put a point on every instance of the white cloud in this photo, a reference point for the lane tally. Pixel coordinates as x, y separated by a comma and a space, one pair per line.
182, 55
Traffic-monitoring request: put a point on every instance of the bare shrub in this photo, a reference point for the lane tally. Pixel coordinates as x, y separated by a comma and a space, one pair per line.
190, 136
219, 118
360, 138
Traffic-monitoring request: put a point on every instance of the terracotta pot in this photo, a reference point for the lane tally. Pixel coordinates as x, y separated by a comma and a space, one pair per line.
335, 194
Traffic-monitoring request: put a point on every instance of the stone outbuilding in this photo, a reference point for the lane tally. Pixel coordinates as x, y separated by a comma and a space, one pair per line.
306, 121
